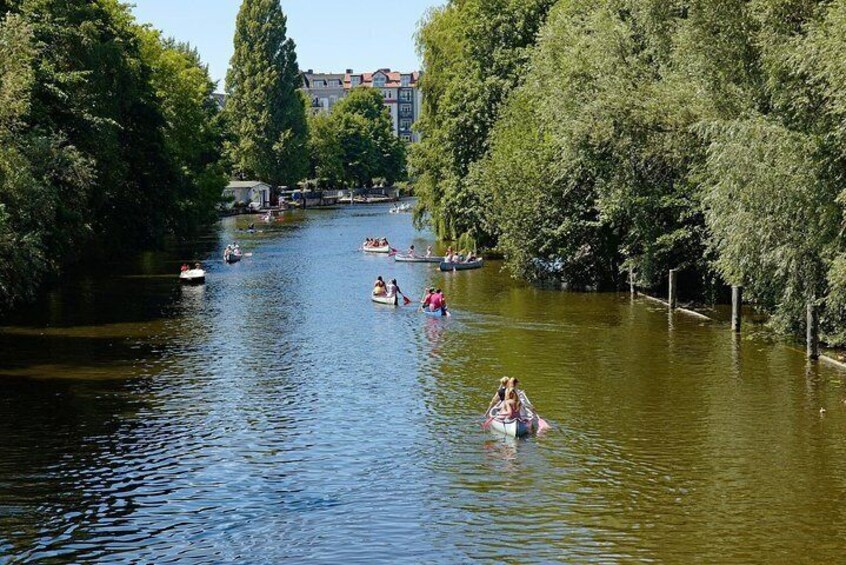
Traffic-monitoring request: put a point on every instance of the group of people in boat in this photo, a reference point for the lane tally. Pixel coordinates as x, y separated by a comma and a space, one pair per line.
231, 249
412, 252
388, 290
434, 301
187, 267
459, 257
372, 242
510, 401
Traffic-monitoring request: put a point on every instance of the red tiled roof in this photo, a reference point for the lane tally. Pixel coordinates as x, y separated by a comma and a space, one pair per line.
394, 79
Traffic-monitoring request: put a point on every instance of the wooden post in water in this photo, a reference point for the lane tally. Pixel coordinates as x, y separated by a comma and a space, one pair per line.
736, 306
812, 333
673, 297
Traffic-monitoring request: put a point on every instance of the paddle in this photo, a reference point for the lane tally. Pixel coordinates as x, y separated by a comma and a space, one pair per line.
405, 300
487, 423
393, 252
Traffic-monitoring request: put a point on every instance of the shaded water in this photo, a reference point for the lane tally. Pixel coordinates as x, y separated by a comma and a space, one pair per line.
276, 414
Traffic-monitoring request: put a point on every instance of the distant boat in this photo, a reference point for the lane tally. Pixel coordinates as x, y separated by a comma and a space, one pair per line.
232, 256
381, 249
477, 264
193, 276
417, 259
383, 299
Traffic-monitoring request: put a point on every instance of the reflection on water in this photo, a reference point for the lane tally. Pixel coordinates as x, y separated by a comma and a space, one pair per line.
277, 414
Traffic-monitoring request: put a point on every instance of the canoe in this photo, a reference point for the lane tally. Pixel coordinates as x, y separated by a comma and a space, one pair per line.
477, 264
416, 259
390, 301
385, 249
193, 276
512, 427
436, 313
232, 257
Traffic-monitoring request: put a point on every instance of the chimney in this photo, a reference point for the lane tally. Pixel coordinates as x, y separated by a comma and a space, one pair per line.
310, 71
349, 71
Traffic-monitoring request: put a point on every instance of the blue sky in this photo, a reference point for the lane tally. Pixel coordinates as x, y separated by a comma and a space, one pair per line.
331, 35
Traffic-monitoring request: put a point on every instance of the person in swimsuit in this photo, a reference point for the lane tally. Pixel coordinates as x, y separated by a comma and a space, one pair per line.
428, 252
521, 394
510, 407
427, 298
499, 395
393, 289
379, 288
436, 302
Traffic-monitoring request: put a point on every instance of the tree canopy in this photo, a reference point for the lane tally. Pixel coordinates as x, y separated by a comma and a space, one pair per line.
265, 111
600, 137
108, 139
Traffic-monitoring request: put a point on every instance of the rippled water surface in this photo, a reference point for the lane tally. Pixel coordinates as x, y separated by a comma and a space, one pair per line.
276, 414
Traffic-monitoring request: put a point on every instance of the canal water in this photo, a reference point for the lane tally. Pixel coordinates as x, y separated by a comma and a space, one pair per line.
276, 414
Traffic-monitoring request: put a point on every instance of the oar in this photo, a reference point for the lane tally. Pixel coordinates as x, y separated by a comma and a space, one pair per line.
543, 425
393, 252
405, 300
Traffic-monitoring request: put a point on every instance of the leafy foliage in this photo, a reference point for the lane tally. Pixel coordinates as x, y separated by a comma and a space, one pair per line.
707, 136
88, 157
265, 111
355, 144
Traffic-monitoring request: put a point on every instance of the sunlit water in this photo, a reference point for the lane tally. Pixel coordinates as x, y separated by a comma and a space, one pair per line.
276, 414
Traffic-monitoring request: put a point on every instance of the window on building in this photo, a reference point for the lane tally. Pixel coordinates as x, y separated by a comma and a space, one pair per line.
405, 95
405, 80
355, 81
319, 83
405, 108
386, 93
332, 100
379, 81
405, 124
334, 83
324, 103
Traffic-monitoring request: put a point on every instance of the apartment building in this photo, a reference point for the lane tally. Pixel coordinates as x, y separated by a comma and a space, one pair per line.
401, 92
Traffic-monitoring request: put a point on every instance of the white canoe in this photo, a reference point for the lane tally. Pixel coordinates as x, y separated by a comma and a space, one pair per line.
513, 427
385, 249
477, 264
382, 299
416, 259
193, 276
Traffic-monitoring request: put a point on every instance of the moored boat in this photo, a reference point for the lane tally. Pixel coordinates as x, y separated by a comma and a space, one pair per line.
513, 427
384, 299
193, 276
416, 259
477, 264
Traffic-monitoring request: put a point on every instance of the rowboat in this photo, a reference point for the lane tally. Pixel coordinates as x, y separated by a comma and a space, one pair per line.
513, 427
416, 259
385, 249
232, 257
383, 299
193, 276
477, 264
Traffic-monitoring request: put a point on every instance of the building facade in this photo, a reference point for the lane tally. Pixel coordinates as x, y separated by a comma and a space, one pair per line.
401, 93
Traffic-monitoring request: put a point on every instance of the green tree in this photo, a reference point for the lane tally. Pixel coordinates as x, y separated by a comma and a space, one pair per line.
265, 110
365, 133
325, 150
192, 128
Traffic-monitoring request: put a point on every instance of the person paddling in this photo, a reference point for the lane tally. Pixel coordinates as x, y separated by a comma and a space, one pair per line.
499, 395
438, 302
